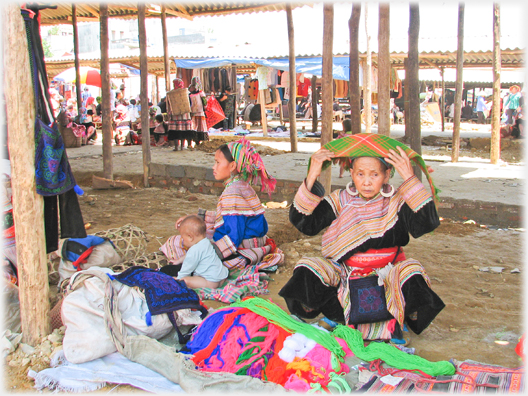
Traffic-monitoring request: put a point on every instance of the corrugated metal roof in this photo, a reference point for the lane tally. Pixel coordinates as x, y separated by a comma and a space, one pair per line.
89, 12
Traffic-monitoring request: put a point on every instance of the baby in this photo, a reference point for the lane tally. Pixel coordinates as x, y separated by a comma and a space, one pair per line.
201, 266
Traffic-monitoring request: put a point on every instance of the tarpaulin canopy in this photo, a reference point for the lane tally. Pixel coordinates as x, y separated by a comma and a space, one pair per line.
312, 65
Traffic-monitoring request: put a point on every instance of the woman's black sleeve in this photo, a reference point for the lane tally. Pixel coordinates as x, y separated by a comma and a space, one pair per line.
321, 217
420, 222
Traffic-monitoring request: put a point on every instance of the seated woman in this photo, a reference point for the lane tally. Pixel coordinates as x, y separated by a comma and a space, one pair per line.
238, 227
364, 278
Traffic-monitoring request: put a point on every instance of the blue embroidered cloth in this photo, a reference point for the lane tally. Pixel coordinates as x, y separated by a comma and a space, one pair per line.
367, 300
163, 293
53, 172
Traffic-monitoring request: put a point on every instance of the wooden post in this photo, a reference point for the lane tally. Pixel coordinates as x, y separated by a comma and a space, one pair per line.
281, 115
165, 47
384, 68
106, 96
442, 101
28, 206
263, 114
327, 88
367, 91
353, 84
495, 111
292, 112
315, 100
459, 81
143, 62
234, 89
156, 84
412, 87
76, 58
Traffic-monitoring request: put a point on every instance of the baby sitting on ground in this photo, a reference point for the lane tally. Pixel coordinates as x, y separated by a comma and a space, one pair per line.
201, 266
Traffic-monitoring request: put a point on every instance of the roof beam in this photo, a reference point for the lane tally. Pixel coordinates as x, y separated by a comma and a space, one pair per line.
183, 13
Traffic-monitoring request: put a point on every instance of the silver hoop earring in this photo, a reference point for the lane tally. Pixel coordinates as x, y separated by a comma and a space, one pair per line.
350, 191
388, 194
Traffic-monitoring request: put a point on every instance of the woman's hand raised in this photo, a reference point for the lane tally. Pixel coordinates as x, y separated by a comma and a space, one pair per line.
316, 165
401, 163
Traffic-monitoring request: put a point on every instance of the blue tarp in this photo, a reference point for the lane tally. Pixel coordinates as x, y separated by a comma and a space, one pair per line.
311, 65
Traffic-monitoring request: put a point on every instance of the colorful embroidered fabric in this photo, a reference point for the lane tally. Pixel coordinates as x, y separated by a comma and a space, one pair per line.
249, 282
250, 165
367, 301
375, 258
163, 293
53, 172
373, 145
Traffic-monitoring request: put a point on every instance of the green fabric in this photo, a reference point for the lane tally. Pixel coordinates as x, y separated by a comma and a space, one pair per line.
279, 317
373, 145
390, 354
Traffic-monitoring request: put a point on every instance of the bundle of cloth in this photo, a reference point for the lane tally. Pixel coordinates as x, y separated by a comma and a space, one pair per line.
257, 338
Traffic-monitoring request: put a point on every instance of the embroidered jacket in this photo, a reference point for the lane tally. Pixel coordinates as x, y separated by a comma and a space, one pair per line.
356, 225
239, 215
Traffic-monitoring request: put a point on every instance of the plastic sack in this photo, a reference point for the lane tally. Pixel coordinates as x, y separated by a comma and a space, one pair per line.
11, 311
86, 337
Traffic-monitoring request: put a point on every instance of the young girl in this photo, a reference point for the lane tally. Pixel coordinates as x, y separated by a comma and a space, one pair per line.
198, 103
160, 131
238, 227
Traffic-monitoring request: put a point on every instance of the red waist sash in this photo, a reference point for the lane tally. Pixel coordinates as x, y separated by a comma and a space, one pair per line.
374, 258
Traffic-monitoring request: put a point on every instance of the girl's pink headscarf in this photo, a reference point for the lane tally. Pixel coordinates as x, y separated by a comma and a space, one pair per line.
89, 101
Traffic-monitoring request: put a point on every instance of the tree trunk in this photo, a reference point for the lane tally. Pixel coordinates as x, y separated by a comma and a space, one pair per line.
412, 87
28, 208
353, 85
495, 112
315, 100
166, 61
143, 62
327, 88
459, 82
106, 96
367, 91
384, 65
76, 58
293, 88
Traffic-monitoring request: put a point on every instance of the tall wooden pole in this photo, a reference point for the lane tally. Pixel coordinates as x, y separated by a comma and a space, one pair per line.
367, 90
76, 58
143, 65
315, 100
412, 87
293, 88
495, 112
165, 47
353, 84
327, 88
263, 114
459, 81
28, 206
234, 89
442, 99
106, 96
384, 66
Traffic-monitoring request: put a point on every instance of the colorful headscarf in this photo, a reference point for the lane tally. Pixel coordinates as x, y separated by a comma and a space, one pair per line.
250, 165
89, 101
196, 83
373, 145
178, 83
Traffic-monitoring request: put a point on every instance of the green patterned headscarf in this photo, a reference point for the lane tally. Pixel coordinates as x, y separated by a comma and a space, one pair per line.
373, 145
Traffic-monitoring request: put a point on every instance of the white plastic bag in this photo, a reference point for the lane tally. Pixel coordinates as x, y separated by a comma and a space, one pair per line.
86, 337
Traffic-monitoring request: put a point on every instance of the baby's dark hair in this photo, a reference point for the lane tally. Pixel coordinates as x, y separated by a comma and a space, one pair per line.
196, 225
133, 101
159, 117
224, 148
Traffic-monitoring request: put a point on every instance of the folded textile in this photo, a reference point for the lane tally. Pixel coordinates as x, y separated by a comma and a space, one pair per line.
249, 282
95, 374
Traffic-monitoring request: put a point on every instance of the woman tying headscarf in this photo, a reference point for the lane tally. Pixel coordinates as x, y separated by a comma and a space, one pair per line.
238, 227
364, 278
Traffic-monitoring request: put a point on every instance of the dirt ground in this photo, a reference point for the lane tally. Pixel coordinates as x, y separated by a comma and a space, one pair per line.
481, 307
